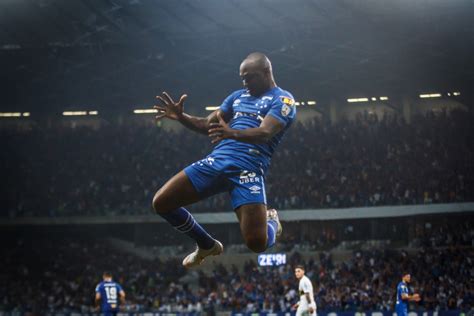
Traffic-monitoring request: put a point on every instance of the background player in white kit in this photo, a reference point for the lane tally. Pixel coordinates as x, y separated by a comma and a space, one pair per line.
306, 304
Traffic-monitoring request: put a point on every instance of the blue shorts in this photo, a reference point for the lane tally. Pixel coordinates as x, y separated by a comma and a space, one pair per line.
401, 310
214, 174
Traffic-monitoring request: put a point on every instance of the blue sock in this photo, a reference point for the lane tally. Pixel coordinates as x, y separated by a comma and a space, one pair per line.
272, 227
185, 223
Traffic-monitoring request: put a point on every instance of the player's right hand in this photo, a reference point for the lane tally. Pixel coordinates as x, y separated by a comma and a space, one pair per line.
416, 297
169, 108
219, 131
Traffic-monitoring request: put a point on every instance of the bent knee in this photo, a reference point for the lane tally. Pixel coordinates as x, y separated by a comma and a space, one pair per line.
159, 203
257, 244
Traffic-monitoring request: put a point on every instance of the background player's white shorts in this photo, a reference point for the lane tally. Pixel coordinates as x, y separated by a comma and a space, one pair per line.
302, 310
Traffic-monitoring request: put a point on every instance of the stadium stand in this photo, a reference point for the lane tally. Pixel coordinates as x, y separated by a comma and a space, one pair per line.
57, 273
115, 169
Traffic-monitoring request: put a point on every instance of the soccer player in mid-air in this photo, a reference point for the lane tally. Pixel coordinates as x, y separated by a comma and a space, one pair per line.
247, 127
109, 295
306, 305
403, 296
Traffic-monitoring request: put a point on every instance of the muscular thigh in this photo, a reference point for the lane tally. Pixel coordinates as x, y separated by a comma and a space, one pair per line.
253, 220
196, 182
177, 192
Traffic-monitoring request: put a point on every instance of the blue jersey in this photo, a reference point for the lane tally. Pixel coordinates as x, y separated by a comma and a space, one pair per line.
109, 294
246, 111
401, 305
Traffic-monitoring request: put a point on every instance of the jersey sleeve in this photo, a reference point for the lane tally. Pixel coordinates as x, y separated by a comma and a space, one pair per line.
119, 288
306, 286
97, 288
226, 105
283, 108
404, 289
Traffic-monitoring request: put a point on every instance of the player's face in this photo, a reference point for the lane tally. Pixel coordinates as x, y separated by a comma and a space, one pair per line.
299, 273
253, 80
407, 278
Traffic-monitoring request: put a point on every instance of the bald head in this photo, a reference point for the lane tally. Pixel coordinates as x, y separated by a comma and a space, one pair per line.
258, 61
256, 73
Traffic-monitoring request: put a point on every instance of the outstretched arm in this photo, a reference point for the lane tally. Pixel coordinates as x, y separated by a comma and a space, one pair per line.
269, 127
198, 124
175, 111
414, 297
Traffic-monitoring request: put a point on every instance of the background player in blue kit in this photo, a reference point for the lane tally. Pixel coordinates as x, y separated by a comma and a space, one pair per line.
246, 128
109, 295
403, 296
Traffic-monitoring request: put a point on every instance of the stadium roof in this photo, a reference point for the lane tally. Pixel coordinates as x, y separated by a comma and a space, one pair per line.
110, 54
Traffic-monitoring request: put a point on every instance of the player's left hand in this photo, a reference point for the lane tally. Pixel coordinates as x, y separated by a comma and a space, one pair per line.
310, 309
416, 297
219, 131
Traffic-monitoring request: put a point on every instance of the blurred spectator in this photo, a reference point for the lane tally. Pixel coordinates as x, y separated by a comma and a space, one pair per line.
45, 276
116, 169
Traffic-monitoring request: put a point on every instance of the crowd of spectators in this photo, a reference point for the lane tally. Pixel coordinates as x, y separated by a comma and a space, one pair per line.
446, 235
366, 282
45, 276
115, 169
42, 276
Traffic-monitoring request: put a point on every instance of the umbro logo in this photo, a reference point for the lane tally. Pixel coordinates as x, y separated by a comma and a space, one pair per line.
255, 189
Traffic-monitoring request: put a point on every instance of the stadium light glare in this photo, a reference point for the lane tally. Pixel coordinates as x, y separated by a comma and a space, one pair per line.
383, 98
211, 108
145, 111
93, 112
26, 114
10, 114
352, 100
74, 113
456, 93
311, 102
373, 98
430, 95
297, 103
